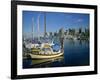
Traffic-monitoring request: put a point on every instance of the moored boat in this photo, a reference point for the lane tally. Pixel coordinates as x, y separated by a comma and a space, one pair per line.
45, 52
44, 56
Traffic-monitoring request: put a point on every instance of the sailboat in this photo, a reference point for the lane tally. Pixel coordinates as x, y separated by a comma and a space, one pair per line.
44, 50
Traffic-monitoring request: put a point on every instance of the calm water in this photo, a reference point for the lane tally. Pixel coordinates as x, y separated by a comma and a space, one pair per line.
76, 53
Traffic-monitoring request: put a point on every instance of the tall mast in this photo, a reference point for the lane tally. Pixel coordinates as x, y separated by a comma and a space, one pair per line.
38, 26
32, 28
44, 24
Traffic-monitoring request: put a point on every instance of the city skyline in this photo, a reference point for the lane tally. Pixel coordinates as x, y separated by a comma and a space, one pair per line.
54, 21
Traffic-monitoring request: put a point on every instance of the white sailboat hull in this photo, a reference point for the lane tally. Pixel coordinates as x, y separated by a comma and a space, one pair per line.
44, 56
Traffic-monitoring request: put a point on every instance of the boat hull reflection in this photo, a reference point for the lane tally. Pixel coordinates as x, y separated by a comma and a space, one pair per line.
38, 63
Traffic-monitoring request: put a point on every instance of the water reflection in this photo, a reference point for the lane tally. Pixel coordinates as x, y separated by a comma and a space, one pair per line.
38, 63
76, 52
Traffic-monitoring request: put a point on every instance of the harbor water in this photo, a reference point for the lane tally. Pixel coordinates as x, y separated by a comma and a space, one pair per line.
76, 53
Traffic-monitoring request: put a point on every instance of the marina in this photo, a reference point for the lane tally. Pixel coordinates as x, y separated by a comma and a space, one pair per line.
62, 47
43, 48
76, 53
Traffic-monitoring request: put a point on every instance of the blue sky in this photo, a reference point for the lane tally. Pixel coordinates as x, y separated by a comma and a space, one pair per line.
54, 21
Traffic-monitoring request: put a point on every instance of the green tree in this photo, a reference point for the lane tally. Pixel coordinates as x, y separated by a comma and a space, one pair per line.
55, 33
71, 31
80, 30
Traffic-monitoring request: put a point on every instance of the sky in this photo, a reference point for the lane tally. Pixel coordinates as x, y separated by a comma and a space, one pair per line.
54, 21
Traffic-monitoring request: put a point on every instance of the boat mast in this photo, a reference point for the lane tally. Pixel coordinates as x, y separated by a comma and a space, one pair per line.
38, 26
44, 24
32, 28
